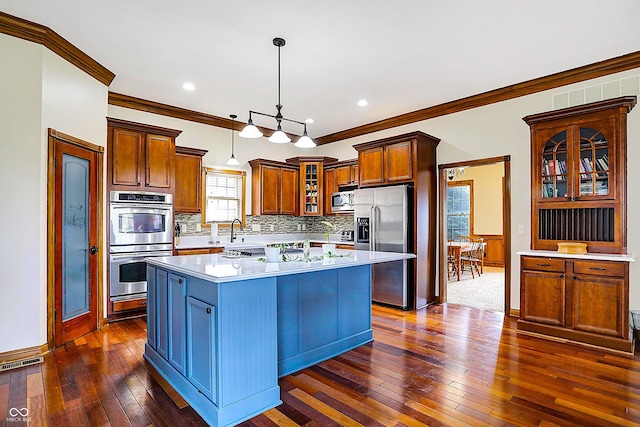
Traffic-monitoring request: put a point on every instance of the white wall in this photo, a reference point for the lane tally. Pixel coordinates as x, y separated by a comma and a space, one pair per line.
498, 130
38, 90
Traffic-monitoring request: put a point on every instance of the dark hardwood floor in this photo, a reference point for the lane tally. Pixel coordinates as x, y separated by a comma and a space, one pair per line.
448, 365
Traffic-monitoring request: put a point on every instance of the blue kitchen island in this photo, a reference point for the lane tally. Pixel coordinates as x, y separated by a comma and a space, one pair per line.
222, 331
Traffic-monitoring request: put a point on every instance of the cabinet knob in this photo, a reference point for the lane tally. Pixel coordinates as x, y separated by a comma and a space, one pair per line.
543, 265
180, 281
575, 277
208, 310
598, 268
562, 276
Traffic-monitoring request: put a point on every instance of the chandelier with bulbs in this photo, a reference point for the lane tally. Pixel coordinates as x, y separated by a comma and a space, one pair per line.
278, 137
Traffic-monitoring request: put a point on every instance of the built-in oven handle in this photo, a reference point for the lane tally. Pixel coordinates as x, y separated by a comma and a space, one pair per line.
138, 256
141, 206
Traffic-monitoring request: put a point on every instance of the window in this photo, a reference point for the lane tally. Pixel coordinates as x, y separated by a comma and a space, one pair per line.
459, 209
224, 195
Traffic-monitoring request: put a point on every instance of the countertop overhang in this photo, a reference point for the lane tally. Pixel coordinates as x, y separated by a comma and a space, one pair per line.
218, 269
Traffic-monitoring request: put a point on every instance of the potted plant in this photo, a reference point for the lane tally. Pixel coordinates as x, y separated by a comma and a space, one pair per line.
328, 248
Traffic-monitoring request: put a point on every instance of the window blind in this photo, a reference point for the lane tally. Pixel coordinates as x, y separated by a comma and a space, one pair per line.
223, 196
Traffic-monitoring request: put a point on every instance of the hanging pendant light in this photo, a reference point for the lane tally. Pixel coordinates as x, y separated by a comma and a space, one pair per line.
232, 160
279, 136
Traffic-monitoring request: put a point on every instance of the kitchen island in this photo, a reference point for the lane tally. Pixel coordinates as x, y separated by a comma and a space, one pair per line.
222, 330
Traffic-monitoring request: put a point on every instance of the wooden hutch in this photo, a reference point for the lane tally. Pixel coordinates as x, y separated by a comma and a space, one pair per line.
579, 191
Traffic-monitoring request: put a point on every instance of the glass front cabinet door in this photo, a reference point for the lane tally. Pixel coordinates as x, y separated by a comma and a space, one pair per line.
574, 162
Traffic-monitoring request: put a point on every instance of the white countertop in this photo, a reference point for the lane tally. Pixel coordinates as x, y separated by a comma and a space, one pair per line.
253, 240
587, 256
218, 269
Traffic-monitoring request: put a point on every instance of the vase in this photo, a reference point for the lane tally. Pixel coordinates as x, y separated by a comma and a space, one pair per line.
328, 247
272, 254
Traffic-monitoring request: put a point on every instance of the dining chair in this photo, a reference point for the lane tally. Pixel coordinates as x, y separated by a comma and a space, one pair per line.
452, 263
472, 258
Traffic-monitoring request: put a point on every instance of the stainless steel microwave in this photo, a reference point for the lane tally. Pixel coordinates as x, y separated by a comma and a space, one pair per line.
342, 201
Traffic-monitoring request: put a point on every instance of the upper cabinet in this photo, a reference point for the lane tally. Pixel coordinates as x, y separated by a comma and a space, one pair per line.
140, 157
188, 192
385, 163
274, 188
337, 176
311, 183
578, 175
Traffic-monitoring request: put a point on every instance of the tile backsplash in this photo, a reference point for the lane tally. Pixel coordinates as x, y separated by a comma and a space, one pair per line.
262, 224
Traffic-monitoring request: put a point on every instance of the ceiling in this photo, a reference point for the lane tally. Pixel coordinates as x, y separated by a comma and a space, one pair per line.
401, 55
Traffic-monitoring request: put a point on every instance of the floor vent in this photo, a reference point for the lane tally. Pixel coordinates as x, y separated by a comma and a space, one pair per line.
21, 363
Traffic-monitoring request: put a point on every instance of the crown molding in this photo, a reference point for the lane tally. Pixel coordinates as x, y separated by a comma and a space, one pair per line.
36, 33
126, 101
552, 81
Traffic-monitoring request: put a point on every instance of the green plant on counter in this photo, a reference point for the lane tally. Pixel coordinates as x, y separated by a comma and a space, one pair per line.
331, 226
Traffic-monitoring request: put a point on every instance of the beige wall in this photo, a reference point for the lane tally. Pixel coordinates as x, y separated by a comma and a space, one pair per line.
487, 197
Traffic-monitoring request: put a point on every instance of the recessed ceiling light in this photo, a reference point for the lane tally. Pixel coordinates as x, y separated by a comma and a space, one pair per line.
188, 86
362, 103
309, 120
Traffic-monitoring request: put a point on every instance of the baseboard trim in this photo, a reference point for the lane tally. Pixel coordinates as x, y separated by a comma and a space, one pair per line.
514, 312
24, 353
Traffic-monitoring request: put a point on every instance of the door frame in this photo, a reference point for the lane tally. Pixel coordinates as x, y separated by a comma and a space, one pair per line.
51, 195
506, 223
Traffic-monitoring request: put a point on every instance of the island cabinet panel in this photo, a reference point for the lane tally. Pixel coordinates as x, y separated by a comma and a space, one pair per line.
176, 311
201, 328
151, 308
322, 314
162, 317
318, 310
227, 369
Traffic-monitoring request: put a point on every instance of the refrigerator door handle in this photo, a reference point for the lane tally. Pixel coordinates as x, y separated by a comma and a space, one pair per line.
374, 226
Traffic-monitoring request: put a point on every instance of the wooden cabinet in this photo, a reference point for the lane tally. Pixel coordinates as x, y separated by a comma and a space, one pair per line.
274, 188
578, 176
311, 184
188, 191
140, 157
386, 163
129, 305
198, 251
347, 176
409, 159
582, 300
337, 176
312, 187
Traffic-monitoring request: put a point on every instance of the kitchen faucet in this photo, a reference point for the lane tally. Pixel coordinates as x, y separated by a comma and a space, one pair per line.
232, 238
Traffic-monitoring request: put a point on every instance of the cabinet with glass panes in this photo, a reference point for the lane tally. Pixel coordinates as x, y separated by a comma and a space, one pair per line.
578, 175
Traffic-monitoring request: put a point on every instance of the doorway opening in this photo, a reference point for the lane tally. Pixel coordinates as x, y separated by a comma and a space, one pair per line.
474, 226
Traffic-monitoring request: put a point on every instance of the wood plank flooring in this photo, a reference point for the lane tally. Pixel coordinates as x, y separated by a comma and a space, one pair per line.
445, 366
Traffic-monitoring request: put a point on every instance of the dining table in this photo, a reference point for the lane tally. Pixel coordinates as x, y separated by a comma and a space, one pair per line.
456, 249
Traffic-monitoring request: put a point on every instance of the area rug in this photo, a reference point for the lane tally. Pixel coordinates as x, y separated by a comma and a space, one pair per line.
485, 292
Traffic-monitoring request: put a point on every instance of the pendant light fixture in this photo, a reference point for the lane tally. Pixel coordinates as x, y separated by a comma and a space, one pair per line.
278, 137
232, 160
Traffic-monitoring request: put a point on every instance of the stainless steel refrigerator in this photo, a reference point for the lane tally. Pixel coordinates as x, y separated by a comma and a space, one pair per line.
383, 219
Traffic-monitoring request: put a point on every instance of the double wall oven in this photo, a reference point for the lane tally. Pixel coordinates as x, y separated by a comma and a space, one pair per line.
141, 225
